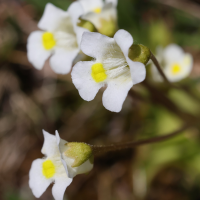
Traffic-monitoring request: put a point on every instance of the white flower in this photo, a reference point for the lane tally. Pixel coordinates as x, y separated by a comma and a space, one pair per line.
55, 167
60, 37
111, 67
176, 64
103, 14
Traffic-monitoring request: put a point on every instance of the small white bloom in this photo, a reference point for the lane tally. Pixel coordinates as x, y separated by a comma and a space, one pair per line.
111, 67
55, 167
103, 14
176, 64
60, 37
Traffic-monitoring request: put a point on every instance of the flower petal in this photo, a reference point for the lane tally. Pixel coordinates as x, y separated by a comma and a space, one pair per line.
61, 183
188, 63
62, 148
115, 95
124, 40
52, 18
109, 12
37, 55
75, 10
82, 169
91, 5
37, 182
94, 44
83, 81
50, 145
114, 2
173, 53
85, 167
61, 61
138, 71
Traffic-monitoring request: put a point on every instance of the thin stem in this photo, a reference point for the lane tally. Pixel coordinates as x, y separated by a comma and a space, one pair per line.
156, 63
99, 149
186, 90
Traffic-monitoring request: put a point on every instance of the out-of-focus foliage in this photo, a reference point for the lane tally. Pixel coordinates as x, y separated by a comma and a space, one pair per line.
32, 100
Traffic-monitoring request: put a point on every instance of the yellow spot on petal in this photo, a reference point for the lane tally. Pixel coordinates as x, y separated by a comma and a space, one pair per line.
48, 40
48, 169
98, 72
176, 68
97, 10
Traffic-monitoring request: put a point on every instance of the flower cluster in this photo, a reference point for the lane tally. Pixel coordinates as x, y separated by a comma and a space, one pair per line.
89, 28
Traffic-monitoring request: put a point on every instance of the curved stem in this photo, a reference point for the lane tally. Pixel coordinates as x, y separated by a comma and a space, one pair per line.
99, 149
156, 63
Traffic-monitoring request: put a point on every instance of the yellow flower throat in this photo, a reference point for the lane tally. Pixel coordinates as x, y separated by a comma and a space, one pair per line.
98, 72
48, 40
48, 169
176, 68
97, 10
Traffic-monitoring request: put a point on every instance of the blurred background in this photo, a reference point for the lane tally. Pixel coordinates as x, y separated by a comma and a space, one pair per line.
32, 100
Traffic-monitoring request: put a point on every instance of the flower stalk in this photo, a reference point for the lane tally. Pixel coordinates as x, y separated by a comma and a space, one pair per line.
100, 149
156, 63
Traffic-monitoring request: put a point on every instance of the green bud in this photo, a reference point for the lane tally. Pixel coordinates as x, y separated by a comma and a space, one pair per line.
139, 53
80, 152
108, 27
91, 159
87, 25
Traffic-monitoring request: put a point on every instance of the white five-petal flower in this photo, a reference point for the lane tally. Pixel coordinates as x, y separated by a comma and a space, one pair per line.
55, 167
60, 37
111, 67
176, 64
103, 14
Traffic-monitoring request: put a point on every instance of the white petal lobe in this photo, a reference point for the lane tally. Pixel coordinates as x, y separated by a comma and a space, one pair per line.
91, 5
50, 146
61, 183
124, 40
51, 18
37, 182
61, 61
37, 55
83, 81
94, 44
173, 53
115, 94
138, 71
114, 2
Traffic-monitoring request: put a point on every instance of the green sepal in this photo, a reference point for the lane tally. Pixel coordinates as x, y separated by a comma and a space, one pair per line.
139, 53
108, 27
80, 152
86, 24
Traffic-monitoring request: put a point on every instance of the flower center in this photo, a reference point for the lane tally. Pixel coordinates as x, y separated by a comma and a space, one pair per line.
176, 68
48, 40
98, 72
48, 169
97, 10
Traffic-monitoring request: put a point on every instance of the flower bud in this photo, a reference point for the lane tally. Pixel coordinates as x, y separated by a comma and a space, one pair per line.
87, 25
139, 53
80, 152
